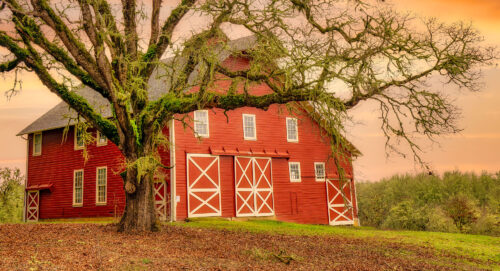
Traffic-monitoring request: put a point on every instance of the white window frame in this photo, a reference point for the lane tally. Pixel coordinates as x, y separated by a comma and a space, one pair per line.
34, 144
316, 172
97, 202
77, 204
99, 137
77, 147
196, 120
254, 127
296, 130
290, 172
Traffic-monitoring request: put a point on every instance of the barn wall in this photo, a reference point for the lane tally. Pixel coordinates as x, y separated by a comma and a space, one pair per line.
303, 202
56, 165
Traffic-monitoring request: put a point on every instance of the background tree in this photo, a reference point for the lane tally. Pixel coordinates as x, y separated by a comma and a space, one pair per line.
333, 54
11, 195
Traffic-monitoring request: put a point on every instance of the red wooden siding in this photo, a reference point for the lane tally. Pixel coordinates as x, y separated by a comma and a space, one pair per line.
303, 202
56, 165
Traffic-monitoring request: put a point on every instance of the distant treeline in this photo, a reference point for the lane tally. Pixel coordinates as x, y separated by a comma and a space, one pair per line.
11, 195
453, 202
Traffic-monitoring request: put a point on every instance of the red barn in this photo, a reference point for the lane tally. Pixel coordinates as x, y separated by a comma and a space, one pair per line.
245, 163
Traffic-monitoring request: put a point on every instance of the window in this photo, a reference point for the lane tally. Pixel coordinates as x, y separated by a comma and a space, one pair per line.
101, 183
292, 134
79, 144
37, 144
78, 187
201, 123
294, 171
319, 169
102, 140
249, 132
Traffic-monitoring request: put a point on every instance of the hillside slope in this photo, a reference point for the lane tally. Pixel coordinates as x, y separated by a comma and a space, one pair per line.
230, 245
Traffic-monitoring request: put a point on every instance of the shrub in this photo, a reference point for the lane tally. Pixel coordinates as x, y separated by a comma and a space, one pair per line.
405, 216
439, 221
486, 224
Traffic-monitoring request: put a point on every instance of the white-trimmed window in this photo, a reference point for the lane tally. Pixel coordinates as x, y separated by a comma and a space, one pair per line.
101, 185
79, 143
292, 133
201, 123
37, 144
249, 130
102, 140
319, 169
78, 187
294, 168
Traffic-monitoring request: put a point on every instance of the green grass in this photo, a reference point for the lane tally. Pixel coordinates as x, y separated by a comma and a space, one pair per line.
480, 247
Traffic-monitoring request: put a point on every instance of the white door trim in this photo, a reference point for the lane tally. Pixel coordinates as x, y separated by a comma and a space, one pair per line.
33, 211
161, 204
254, 183
347, 205
191, 191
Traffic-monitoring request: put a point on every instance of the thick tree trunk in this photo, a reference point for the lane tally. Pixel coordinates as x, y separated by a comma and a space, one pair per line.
139, 214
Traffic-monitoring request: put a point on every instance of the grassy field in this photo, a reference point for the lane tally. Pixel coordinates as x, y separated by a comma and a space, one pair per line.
484, 248
218, 244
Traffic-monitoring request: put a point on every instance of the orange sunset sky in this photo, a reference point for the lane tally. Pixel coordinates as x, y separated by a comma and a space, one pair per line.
477, 148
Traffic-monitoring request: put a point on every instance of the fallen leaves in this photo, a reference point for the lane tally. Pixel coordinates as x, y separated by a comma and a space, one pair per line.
100, 247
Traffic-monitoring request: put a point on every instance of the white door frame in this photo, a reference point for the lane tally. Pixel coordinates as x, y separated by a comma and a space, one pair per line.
331, 205
161, 204
33, 212
192, 191
256, 180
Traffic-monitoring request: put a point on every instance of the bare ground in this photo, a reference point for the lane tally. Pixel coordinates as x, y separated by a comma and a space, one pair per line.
100, 247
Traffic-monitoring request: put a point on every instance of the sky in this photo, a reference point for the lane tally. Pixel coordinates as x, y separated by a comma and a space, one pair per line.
476, 148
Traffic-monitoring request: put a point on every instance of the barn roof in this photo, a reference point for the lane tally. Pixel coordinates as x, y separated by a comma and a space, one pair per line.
61, 115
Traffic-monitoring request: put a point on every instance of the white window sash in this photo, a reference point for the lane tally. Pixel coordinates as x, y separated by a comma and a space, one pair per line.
77, 146
102, 140
101, 185
78, 197
318, 177
201, 120
292, 172
253, 127
292, 135
35, 152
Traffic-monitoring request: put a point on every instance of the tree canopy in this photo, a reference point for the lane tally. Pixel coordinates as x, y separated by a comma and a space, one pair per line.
332, 54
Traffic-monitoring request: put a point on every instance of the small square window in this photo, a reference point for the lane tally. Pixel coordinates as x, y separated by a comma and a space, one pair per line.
249, 131
201, 123
37, 144
79, 143
292, 134
319, 169
294, 171
102, 140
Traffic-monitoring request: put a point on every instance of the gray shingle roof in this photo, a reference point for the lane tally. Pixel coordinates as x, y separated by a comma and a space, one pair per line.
61, 115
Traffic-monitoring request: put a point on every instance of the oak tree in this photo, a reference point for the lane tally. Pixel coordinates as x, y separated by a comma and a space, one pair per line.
331, 55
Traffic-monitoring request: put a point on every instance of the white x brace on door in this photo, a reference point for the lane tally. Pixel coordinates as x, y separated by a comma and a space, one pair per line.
32, 206
254, 186
340, 209
203, 185
160, 190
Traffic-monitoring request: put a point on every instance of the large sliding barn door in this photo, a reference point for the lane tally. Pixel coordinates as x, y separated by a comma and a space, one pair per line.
32, 206
203, 185
340, 209
254, 186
